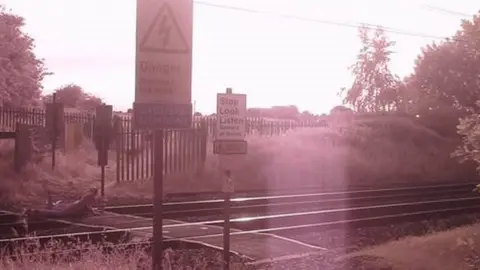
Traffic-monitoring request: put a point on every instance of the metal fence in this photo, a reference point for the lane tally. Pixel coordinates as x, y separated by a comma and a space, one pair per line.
185, 150
133, 149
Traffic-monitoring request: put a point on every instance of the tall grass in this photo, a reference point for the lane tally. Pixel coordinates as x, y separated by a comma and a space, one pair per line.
56, 255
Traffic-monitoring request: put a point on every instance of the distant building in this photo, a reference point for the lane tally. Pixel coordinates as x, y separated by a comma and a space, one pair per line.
275, 112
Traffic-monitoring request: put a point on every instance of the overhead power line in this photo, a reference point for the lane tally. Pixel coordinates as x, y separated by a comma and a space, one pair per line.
355, 25
447, 11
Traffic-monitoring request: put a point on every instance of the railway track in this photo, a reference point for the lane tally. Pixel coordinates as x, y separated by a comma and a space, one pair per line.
292, 202
345, 218
274, 204
262, 205
276, 213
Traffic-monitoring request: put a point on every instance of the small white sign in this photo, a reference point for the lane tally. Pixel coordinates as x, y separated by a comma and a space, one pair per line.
230, 147
231, 116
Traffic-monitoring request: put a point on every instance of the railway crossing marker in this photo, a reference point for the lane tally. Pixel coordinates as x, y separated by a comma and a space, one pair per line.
229, 144
163, 78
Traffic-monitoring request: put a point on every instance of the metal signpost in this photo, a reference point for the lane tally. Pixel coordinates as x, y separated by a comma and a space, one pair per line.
229, 144
163, 85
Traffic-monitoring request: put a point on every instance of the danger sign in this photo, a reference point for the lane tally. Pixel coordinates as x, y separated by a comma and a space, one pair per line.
163, 64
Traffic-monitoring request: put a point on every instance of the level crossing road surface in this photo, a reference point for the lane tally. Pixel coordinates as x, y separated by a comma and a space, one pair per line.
255, 246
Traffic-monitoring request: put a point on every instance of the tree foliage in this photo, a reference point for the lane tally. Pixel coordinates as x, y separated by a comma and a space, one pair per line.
469, 129
444, 88
340, 109
73, 96
21, 72
374, 88
446, 81
447, 74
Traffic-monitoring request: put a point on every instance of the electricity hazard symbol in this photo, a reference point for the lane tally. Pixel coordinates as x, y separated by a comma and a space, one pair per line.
164, 34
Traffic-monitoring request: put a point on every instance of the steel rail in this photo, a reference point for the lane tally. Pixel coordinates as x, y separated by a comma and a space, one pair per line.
267, 205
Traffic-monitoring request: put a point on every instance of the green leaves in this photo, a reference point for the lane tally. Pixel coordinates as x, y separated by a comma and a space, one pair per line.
21, 72
448, 72
73, 96
374, 88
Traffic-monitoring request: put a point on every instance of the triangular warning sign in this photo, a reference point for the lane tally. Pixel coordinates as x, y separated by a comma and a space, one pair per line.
164, 35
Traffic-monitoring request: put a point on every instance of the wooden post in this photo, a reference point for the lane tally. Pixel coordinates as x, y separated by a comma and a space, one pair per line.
54, 129
102, 180
18, 158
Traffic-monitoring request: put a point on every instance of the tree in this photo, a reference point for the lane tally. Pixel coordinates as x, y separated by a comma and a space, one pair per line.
340, 109
283, 112
21, 72
306, 116
374, 88
469, 129
73, 96
446, 74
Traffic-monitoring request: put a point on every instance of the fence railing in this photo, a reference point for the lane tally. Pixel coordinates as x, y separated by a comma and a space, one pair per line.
9, 117
254, 125
185, 149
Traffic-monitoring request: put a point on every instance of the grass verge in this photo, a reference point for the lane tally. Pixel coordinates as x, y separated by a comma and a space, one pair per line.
455, 249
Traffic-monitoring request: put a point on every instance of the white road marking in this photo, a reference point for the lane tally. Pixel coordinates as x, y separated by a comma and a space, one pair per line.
266, 234
284, 258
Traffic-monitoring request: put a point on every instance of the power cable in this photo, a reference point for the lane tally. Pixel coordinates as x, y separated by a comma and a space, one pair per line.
355, 25
447, 11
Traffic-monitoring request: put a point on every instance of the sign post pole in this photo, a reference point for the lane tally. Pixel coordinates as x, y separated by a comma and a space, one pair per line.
227, 190
229, 144
158, 200
163, 78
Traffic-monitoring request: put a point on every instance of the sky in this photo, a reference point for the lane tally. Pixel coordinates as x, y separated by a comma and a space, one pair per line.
273, 59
